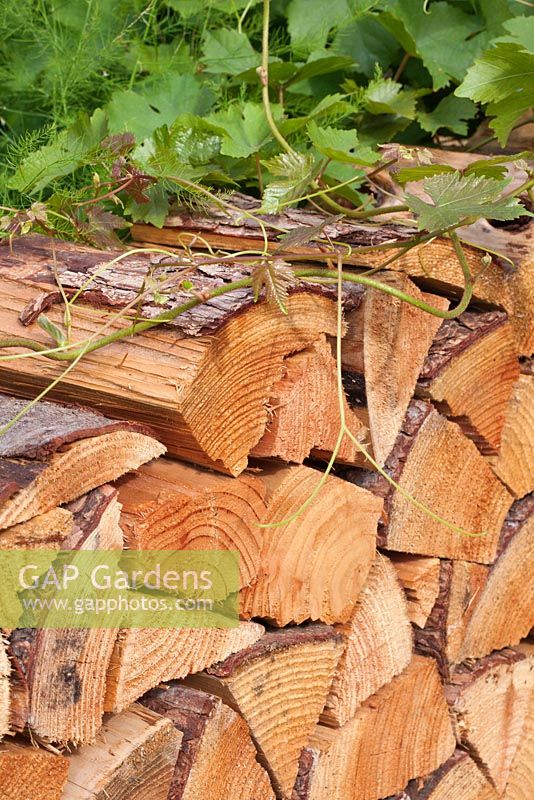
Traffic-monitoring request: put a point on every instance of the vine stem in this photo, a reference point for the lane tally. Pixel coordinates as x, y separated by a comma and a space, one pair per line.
263, 73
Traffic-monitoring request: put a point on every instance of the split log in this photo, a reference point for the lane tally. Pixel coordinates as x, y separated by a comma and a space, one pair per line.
520, 784
402, 732
315, 566
378, 645
202, 382
61, 699
441, 468
170, 505
387, 340
5, 670
29, 773
133, 759
458, 779
433, 265
49, 531
279, 686
513, 464
504, 611
419, 577
490, 701
304, 409
479, 608
217, 760
143, 657
56, 453
469, 374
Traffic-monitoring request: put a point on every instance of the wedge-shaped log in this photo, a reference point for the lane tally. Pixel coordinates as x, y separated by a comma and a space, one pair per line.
56, 453
478, 608
458, 778
520, 784
469, 374
387, 340
265, 685
202, 382
315, 566
378, 644
513, 464
61, 698
217, 760
304, 409
28, 772
133, 758
435, 463
401, 732
171, 505
143, 657
419, 577
490, 702
312, 568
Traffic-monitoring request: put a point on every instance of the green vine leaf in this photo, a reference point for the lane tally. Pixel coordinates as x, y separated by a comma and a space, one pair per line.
296, 171
458, 197
341, 145
246, 128
228, 52
452, 113
276, 278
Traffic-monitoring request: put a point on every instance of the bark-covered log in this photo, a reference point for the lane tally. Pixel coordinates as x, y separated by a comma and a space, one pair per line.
378, 644
217, 759
402, 732
315, 566
435, 463
5, 669
29, 773
469, 374
143, 657
387, 341
520, 784
56, 453
202, 382
304, 409
513, 464
490, 701
133, 758
59, 677
419, 576
483, 608
279, 686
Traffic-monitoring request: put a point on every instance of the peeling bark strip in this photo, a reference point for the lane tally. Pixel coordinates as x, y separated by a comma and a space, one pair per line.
209, 727
436, 464
469, 374
57, 452
264, 684
61, 697
47, 427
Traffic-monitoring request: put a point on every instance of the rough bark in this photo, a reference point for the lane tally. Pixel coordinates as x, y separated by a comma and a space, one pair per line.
378, 645
133, 758
217, 759
265, 685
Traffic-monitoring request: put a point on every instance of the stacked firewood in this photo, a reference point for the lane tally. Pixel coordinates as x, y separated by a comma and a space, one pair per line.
382, 647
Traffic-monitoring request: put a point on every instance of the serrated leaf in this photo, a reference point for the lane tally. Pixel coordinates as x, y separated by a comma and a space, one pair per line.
319, 64
246, 128
385, 96
309, 22
369, 43
503, 77
520, 32
154, 211
451, 113
457, 198
276, 278
409, 174
341, 145
295, 171
228, 52
303, 234
49, 327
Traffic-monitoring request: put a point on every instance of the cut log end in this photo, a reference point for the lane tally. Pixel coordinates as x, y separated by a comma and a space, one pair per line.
28, 773
513, 464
